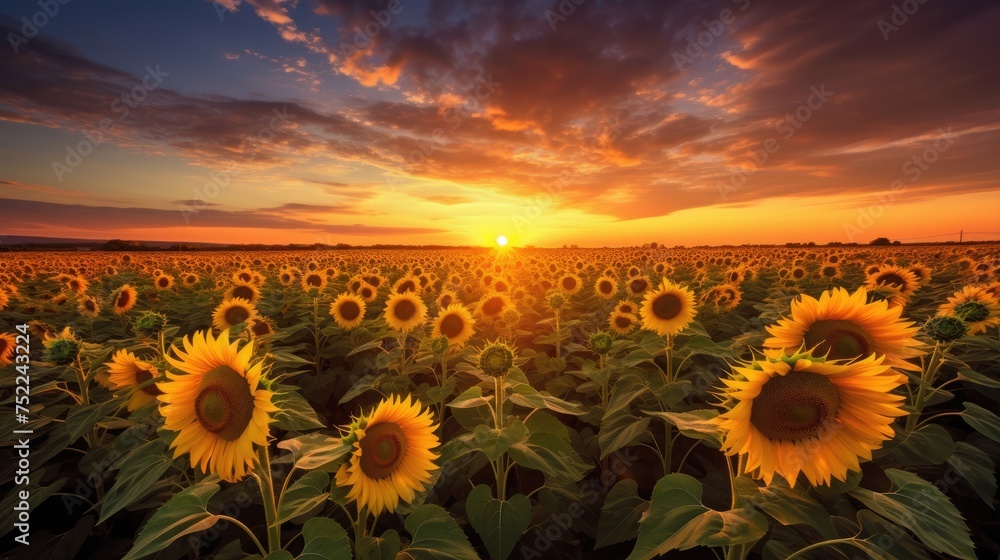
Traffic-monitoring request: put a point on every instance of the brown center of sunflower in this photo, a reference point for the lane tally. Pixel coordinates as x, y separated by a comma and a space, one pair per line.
795, 406
892, 279
314, 280
236, 315
382, 449
829, 271
350, 310
569, 283
405, 310
638, 285
493, 306
445, 300
224, 405
261, 328
245, 276
452, 325
243, 292
90, 305
622, 322
407, 286
605, 287
144, 375
667, 306
366, 293
843, 339
163, 282
123, 298
798, 273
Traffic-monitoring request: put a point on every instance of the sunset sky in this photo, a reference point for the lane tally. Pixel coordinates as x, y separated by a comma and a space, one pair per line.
446, 122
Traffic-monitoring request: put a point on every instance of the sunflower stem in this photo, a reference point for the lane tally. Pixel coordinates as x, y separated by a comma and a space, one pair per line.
926, 381
558, 337
499, 467
267, 494
850, 540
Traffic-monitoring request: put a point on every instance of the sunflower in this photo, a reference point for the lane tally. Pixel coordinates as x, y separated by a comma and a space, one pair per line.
404, 312
637, 285
455, 323
216, 405
126, 371
895, 276
922, 273
622, 323
4, 300
493, 305
163, 281
407, 284
124, 300
725, 297
232, 312
626, 306
979, 308
800, 414
261, 326
348, 311
89, 307
243, 290
668, 310
446, 298
844, 326
77, 284
313, 281
797, 273
392, 458
570, 284
8, 343
606, 287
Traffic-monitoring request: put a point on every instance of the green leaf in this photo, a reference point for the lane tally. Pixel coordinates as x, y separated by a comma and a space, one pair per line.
620, 430
789, 506
140, 470
325, 540
436, 536
548, 450
696, 424
183, 514
471, 398
885, 540
973, 376
303, 495
703, 345
366, 383
316, 451
920, 507
677, 520
620, 514
366, 346
930, 445
280, 555
294, 413
984, 421
977, 467
81, 419
499, 523
379, 548
494, 443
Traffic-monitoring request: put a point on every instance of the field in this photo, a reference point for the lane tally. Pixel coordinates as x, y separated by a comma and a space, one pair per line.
800, 402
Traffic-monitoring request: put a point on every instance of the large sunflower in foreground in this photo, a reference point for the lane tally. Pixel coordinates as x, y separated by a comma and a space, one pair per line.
454, 323
392, 458
798, 414
216, 405
668, 310
844, 326
126, 371
404, 312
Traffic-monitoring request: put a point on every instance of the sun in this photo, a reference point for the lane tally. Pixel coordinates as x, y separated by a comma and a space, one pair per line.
502, 241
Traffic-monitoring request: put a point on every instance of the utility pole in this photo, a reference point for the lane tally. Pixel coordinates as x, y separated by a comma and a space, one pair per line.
960, 233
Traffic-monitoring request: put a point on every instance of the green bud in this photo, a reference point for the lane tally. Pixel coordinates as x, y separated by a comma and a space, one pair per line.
945, 328
601, 342
439, 345
150, 323
496, 359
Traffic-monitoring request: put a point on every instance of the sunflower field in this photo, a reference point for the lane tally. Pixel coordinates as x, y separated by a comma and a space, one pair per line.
776, 403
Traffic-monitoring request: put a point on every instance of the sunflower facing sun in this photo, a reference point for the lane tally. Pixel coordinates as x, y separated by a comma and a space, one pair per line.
668, 310
392, 456
126, 371
217, 405
798, 414
405, 312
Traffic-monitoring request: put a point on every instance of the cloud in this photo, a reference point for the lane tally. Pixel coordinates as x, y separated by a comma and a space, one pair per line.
29, 215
